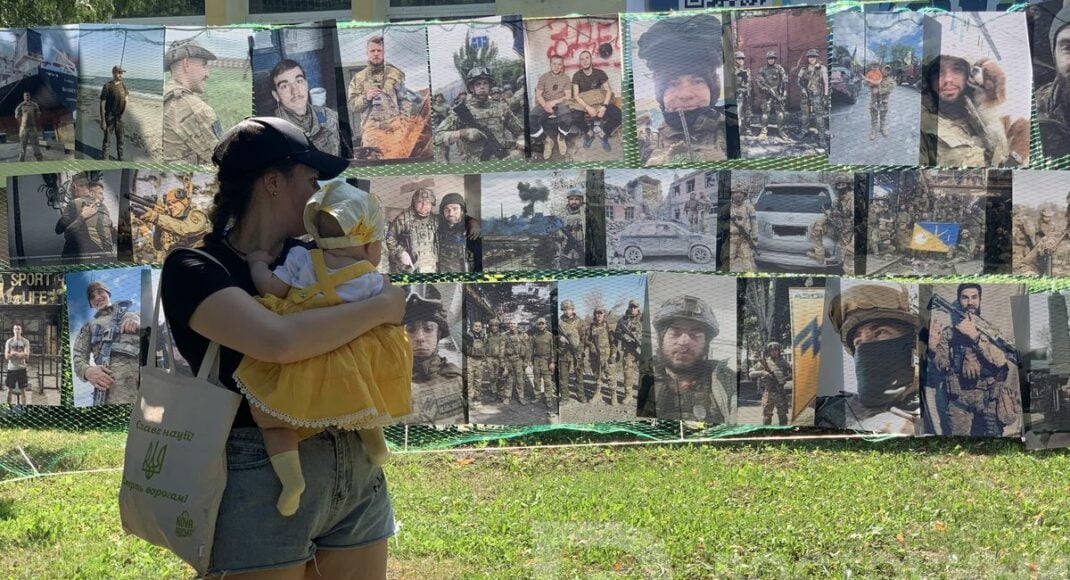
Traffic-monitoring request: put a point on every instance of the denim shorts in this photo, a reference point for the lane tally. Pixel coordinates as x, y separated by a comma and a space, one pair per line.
345, 503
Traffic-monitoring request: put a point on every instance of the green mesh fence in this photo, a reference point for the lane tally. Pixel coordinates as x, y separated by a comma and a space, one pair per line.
16, 463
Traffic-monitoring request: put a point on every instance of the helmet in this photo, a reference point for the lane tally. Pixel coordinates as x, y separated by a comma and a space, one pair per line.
495, 90
494, 322
773, 345
540, 322
93, 287
451, 198
686, 308
865, 302
568, 303
599, 310
575, 192
418, 308
179, 195
117, 68
477, 73
770, 54
633, 303
423, 193
965, 233
739, 54
1047, 213
811, 52
507, 87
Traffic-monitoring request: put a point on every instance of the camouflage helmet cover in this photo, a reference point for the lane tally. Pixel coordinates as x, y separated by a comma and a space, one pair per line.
770, 54
478, 73
739, 54
418, 308
574, 192
773, 345
633, 303
568, 304
867, 302
421, 194
686, 308
811, 52
93, 287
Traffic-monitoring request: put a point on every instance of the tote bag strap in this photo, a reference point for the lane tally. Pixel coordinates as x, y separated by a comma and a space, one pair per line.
209, 369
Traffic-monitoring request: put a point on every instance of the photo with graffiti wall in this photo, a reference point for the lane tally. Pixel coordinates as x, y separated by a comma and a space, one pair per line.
31, 317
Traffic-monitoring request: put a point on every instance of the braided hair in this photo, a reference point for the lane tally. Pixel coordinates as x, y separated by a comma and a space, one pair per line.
233, 195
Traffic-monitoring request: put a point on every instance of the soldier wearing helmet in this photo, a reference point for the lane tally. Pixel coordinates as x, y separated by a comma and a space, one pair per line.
437, 384
570, 355
174, 220
107, 349
542, 362
743, 94
495, 334
772, 81
191, 128
813, 80
484, 129
601, 348
411, 236
878, 327
688, 385
684, 54
628, 336
515, 352
773, 374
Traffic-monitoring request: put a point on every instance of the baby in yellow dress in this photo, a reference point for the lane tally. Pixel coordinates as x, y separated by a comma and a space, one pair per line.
363, 385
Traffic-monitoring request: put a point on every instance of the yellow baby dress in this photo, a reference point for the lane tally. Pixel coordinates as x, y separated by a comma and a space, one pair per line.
365, 383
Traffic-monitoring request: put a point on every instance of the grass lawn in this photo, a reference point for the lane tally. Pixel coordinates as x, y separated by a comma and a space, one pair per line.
945, 508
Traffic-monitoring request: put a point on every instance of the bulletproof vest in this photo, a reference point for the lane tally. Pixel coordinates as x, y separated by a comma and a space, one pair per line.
814, 79
742, 80
494, 344
741, 213
600, 336
188, 122
570, 329
491, 116
773, 75
106, 340
959, 345
779, 367
477, 345
543, 343
512, 345
633, 324
421, 233
451, 248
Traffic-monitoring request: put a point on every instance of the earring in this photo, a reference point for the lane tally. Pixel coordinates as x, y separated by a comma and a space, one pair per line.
275, 193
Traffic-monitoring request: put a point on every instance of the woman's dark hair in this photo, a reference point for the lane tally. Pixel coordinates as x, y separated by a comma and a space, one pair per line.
232, 198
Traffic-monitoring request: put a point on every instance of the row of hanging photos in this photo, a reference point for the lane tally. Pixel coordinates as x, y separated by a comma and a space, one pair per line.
684, 88
912, 222
964, 359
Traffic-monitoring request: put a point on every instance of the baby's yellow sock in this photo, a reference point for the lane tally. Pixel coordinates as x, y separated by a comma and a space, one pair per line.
287, 466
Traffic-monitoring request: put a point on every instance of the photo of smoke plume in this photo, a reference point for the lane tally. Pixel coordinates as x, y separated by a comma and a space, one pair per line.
31, 314
659, 219
63, 218
433, 321
971, 386
868, 379
602, 348
779, 349
510, 384
1042, 331
425, 222
693, 325
927, 222
533, 220
167, 210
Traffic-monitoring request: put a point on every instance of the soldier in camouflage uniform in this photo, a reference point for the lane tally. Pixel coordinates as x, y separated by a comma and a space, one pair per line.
878, 102
570, 246
628, 336
475, 352
691, 209
490, 114
772, 80
1038, 243
949, 136
493, 367
26, 113
515, 353
411, 236
174, 220
437, 384
191, 128
743, 95
107, 350
688, 385
450, 234
813, 80
373, 97
85, 223
542, 362
570, 355
742, 225
773, 374
964, 250
289, 87
601, 348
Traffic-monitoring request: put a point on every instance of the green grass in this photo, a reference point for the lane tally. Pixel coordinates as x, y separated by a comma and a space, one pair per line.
905, 508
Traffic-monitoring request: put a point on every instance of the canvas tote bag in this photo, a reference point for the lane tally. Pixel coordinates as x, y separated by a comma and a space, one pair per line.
175, 466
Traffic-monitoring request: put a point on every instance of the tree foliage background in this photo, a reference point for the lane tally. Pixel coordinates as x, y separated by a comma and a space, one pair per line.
22, 13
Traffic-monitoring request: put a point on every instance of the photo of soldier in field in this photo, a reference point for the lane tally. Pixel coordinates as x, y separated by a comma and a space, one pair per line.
167, 210
1041, 241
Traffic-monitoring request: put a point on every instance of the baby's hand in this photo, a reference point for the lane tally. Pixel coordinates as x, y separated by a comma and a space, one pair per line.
259, 256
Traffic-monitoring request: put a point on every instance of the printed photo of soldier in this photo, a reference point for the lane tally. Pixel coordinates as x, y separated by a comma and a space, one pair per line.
294, 79
63, 218
120, 92
928, 222
207, 82
428, 222
574, 89
533, 220
31, 313
786, 54
433, 321
661, 219
1042, 333
471, 63
104, 310
975, 91
168, 210
388, 93
693, 330
971, 384
677, 74
1049, 33
510, 344
779, 352
791, 221
873, 78
603, 349
869, 373
1040, 220
39, 84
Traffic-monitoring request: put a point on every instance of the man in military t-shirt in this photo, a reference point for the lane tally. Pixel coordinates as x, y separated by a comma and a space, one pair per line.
570, 361
772, 80
112, 108
411, 236
743, 95
628, 335
475, 352
813, 80
772, 373
108, 347
191, 128
553, 93
289, 87
437, 384
373, 98
483, 128
26, 113
592, 95
542, 362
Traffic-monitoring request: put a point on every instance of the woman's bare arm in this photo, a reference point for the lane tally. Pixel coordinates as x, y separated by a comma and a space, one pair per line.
237, 321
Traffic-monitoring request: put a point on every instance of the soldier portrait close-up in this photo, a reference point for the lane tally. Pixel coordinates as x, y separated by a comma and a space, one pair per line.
191, 127
1049, 23
437, 380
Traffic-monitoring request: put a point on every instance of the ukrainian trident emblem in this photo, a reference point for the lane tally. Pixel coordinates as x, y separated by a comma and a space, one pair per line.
154, 457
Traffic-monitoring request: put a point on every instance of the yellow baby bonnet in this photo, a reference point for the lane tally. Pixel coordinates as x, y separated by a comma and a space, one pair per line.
357, 211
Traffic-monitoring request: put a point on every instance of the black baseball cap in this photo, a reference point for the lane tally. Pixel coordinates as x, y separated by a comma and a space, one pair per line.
258, 143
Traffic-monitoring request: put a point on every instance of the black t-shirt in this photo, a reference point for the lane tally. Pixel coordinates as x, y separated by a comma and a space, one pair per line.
187, 279
596, 80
